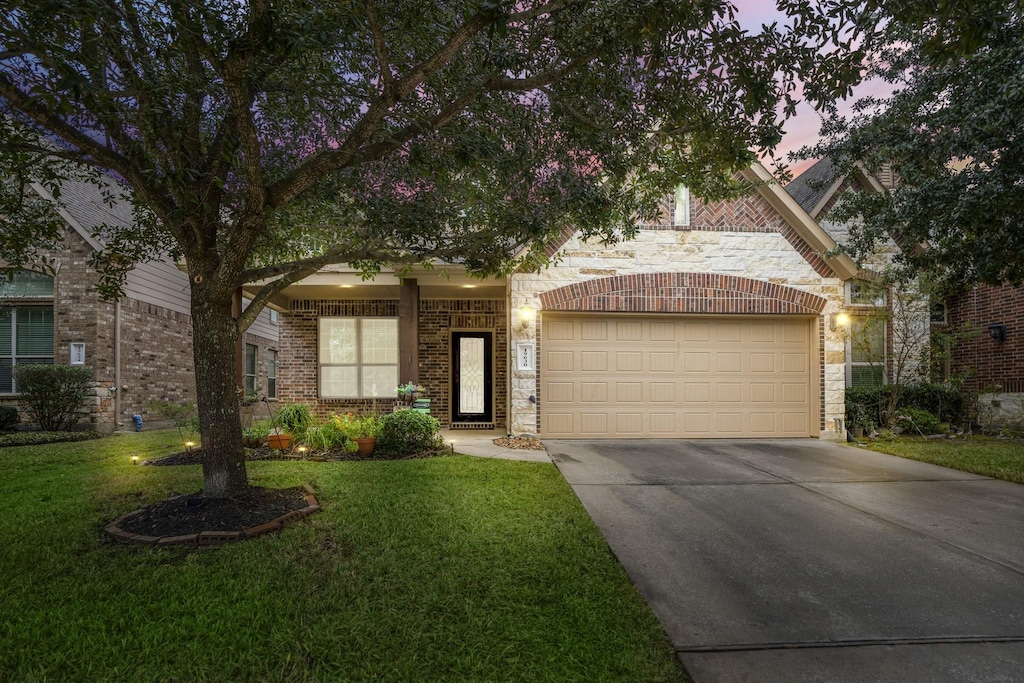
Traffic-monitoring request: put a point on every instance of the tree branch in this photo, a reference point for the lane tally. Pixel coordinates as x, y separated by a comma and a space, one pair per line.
383, 61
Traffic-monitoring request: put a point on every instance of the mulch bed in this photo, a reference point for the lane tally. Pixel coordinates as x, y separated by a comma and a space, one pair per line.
521, 443
195, 456
194, 513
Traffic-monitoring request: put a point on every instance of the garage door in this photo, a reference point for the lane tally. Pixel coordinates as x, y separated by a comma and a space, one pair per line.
658, 377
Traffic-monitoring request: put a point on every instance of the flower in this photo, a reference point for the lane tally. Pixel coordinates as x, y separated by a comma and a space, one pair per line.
408, 388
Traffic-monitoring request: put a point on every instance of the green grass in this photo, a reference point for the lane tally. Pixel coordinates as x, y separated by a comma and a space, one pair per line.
989, 457
450, 568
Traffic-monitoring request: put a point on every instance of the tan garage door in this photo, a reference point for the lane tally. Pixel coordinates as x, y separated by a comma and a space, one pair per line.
658, 377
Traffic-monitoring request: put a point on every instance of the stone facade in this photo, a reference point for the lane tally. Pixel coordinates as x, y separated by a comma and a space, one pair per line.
748, 240
438, 318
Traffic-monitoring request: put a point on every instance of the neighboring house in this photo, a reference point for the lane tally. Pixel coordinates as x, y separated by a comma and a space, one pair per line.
988, 352
719, 321
984, 326
139, 347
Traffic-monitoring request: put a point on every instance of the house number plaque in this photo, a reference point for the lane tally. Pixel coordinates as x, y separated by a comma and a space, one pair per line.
526, 356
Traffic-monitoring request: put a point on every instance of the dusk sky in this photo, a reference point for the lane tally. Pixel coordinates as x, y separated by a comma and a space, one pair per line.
803, 129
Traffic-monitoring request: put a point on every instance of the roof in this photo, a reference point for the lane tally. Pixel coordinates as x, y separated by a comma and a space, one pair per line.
83, 205
811, 186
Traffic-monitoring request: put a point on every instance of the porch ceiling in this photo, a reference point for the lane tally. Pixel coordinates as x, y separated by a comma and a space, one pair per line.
344, 283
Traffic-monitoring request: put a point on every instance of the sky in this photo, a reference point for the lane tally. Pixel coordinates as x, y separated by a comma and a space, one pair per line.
802, 129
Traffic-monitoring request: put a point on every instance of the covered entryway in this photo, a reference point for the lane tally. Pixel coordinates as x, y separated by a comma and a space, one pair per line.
648, 376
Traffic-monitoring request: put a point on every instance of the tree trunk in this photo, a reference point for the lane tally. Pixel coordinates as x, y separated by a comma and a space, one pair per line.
214, 333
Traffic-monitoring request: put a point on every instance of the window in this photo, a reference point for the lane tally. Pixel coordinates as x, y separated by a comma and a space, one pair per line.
26, 337
26, 331
249, 374
358, 357
866, 351
273, 317
937, 312
271, 373
25, 284
864, 293
681, 206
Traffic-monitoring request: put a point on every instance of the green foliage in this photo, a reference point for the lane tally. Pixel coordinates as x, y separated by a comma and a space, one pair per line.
359, 426
950, 131
256, 432
37, 438
329, 435
408, 432
996, 458
459, 542
183, 416
867, 405
286, 136
53, 394
9, 418
294, 418
917, 420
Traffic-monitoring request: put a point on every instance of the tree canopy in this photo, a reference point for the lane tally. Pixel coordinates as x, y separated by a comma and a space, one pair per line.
263, 140
951, 130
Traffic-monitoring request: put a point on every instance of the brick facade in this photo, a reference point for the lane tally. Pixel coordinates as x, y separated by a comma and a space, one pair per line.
682, 293
156, 343
297, 362
985, 362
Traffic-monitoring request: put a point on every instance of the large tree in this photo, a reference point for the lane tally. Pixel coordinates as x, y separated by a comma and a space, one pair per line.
262, 140
952, 130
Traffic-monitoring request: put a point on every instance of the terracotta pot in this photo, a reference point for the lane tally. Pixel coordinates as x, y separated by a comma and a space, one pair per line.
366, 444
279, 441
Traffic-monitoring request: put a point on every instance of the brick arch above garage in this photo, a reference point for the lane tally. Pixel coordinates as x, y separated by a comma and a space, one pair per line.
681, 293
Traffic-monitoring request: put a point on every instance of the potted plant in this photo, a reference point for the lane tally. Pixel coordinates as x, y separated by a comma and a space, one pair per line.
408, 392
291, 419
253, 436
362, 430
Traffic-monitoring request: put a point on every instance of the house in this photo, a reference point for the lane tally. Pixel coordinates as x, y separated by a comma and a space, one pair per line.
987, 354
721, 320
982, 329
139, 347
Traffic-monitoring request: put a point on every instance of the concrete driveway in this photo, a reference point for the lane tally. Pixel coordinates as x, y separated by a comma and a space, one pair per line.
802, 560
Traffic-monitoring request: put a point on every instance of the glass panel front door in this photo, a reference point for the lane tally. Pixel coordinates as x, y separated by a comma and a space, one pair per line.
471, 377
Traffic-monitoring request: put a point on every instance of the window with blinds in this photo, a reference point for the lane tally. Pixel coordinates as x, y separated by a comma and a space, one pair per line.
358, 357
26, 338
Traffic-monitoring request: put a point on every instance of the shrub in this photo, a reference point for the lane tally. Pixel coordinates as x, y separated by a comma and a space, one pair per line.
8, 418
866, 405
328, 436
53, 394
407, 432
38, 438
918, 420
183, 416
294, 418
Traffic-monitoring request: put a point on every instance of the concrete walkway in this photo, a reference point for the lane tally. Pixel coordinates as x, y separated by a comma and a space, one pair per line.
802, 560
480, 443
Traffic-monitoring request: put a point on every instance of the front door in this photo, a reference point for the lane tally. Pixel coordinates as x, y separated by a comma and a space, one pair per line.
472, 381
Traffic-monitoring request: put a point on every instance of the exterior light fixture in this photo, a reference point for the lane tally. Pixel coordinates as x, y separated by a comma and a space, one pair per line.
135, 460
527, 314
302, 449
997, 331
837, 320
189, 445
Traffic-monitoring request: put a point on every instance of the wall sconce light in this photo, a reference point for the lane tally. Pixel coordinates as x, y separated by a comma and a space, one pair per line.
997, 331
837, 320
526, 316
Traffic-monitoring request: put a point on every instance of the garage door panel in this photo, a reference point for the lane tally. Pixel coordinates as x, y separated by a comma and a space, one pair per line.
629, 376
629, 361
594, 392
663, 392
629, 392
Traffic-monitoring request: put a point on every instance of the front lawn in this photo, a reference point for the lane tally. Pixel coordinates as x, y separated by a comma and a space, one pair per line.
996, 458
450, 568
